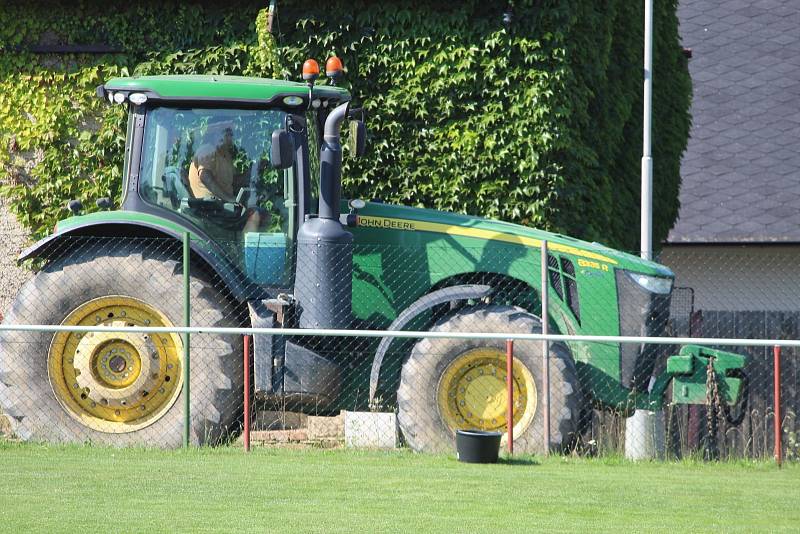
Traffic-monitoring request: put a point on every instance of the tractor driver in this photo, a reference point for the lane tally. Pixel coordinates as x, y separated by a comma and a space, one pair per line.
212, 173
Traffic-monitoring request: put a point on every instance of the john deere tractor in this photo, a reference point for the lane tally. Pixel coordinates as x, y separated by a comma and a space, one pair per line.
251, 169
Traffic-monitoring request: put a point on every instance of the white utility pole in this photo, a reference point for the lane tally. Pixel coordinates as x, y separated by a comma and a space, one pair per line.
647, 156
644, 430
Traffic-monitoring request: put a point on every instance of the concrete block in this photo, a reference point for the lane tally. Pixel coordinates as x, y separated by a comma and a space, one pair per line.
371, 430
319, 427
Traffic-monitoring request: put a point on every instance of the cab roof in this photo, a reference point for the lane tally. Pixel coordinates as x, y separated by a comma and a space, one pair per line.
213, 88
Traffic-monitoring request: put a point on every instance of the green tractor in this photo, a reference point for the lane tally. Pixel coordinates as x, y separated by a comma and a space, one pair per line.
251, 169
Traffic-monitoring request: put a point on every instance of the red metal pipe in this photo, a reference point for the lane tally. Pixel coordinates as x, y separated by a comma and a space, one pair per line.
510, 388
246, 434
776, 352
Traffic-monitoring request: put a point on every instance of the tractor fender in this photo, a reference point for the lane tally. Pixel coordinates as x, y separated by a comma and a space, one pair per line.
424, 303
202, 249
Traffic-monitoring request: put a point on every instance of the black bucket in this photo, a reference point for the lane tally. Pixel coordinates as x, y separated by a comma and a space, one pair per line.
477, 446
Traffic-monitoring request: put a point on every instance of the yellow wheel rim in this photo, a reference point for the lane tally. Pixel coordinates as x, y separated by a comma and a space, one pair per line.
472, 392
115, 382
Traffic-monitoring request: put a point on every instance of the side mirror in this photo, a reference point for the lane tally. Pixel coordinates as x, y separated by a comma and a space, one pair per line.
282, 151
357, 142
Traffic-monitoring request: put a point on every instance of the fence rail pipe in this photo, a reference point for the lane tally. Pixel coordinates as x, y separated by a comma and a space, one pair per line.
187, 321
246, 429
406, 334
776, 354
510, 394
545, 351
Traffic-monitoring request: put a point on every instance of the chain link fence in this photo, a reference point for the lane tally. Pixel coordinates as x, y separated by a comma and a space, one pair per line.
118, 374
748, 292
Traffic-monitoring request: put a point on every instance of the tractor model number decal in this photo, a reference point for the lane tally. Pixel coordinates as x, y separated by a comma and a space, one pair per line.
479, 233
593, 265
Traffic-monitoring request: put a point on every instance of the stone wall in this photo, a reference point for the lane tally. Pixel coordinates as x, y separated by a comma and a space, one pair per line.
12, 240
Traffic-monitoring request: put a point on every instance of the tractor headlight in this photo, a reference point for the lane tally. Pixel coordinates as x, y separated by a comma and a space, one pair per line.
138, 98
653, 284
292, 100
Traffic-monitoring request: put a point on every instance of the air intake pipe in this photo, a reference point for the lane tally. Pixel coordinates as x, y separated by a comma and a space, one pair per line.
324, 269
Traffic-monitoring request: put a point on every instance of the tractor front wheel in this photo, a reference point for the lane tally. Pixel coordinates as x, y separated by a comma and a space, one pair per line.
117, 388
452, 384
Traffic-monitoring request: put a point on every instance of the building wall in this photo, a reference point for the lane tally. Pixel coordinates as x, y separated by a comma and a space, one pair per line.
738, 278
12, 240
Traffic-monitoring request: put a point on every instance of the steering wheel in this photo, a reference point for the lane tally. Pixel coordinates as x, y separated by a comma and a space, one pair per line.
216, 208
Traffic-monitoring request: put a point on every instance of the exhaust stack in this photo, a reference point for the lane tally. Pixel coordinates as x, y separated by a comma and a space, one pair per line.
324, 270
330, 179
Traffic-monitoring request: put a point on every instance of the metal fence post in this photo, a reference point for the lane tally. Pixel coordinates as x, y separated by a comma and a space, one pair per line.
246, 431
545, 352
187, 416
510, 388
776, 353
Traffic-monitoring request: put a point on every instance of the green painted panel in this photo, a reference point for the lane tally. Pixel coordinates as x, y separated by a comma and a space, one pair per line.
221, 87
110, 217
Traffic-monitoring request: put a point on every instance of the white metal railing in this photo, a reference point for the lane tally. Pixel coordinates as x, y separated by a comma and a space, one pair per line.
413, 334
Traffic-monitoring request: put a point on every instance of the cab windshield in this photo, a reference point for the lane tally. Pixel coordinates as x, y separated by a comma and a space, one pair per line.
213, 166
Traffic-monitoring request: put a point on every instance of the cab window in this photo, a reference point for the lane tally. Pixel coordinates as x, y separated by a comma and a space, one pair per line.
212, 166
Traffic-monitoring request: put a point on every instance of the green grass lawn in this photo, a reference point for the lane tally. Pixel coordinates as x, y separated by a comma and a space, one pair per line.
93, 489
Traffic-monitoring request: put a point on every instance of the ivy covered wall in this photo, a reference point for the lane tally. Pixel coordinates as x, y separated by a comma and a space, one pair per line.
539, 123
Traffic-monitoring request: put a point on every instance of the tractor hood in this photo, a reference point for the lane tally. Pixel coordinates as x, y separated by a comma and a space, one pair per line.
390, 216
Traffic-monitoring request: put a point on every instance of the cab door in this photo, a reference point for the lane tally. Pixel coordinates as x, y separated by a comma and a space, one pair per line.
212, 167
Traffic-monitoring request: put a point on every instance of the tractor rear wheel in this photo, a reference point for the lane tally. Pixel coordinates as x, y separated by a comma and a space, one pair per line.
452, 384
117, 388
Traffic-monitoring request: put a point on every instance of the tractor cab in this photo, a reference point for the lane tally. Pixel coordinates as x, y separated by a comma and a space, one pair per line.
236, 160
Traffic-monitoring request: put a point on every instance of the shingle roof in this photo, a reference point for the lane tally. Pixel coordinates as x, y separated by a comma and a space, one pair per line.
741, 170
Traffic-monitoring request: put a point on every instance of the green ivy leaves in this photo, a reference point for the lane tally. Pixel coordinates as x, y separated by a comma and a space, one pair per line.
59, 141
538, 124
